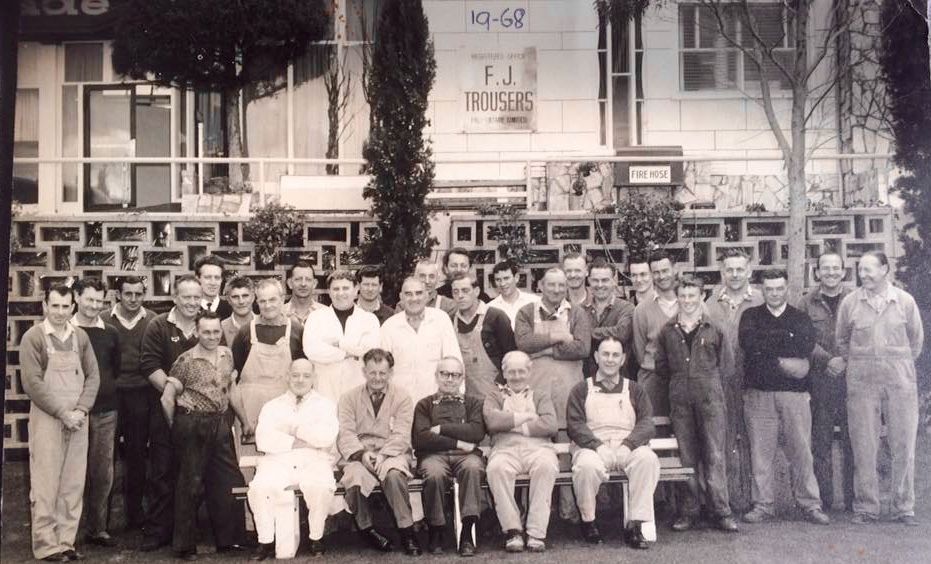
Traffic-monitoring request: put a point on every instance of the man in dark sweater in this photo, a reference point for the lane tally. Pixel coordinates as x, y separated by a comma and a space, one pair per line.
89, 295
448, 427
138, 401
777, 340
166, 337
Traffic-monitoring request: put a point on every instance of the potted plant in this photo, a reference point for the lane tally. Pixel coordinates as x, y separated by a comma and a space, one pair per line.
272, 226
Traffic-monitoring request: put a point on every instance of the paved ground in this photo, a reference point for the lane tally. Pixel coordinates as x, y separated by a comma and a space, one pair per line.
785, 541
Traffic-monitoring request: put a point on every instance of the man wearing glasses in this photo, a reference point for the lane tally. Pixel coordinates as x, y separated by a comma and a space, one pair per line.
448, 427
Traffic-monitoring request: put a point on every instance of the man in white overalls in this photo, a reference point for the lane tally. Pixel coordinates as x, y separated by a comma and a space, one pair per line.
484, 335
59, 374
336, 337
297, 432
610, 419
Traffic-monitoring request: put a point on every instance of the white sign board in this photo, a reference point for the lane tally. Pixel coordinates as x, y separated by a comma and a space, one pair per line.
497, 16
650, 174
498, 89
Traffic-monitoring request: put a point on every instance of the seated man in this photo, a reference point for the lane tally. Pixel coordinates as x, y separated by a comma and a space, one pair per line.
522, 424
296, 431
447, 429
610, 418
375, 444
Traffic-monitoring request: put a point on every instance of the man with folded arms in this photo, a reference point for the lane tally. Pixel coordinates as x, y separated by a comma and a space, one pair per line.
447, 429
522, 424
611, 419
777, 340
375, 444
296, 431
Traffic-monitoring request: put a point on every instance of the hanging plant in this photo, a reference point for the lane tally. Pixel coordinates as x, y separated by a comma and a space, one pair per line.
272, 227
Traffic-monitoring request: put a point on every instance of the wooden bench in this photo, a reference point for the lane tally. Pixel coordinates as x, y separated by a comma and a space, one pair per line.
665, 445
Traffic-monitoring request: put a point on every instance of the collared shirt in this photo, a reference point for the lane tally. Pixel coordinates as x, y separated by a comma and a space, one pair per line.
312, 418
48, 329
778, 311
97, 323
607, 383
482, 308
417, 351
878, 300
669, 307
173, 319
288, 310
563, 309
211, 305
206, 377
732, 303
511, 308
128, 323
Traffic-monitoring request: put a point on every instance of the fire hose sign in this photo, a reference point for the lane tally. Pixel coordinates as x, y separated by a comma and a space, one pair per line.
499, 89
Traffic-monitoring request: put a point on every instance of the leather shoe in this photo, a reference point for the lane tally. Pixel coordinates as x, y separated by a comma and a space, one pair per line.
466, 546
863, 519
435, 545
590, 533
818, 517
376, 540
317, 550
103, 539
409, 542
231, 549
57, 557
727, 524
683, 523
264, 551
907, 520
73, 555
151, 543
634, 538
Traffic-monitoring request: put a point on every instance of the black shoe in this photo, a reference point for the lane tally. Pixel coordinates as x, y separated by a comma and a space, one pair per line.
727, 524
151, 543
317, 549
231, 549
466, 546
103, 539
634, 538
72, 555
264, 551
58, 557
376, 540
590, 533
186, 555
683, 523
435, 545
409, 542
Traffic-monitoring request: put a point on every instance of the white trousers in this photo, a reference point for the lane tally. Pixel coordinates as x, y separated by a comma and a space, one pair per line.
641, 466
504, 465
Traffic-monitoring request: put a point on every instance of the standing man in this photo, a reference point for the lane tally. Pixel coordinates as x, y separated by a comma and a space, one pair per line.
427, 272
612, 316
263, 351
90, 295
879, 335
457, 261
198, 397
209, 271
558, 337
484, 334
777, 340
370, 288
301, 281
725, 306
418, 337
641, 279
297, 432
510, 297
611, 421
649, 318
522, 424
688, 354
375, 444
59, 374
448, 427
336, 337
575, 265
240, 291
828, 387
166, 337
139, 405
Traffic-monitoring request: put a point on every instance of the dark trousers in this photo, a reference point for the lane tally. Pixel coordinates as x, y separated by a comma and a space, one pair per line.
699, 421
829, 408
137, 408
206, 464
394, 486
162, 476
438, 470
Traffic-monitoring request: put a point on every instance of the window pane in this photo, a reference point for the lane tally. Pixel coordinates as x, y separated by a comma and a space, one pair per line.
687, 25
267, 126
621, 111
773, 74
767, 21
84, 62
310, 107
211, 125
620, 49
709, 70
362, 19
26, 144
70, 142
710, 35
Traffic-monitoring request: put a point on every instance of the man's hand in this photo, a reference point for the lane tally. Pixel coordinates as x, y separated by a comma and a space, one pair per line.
522, 417
623, 455
298, 443
247, 430
73, 420
607, 456
464, 445
561, 336
836, 366
435, 429
370, 460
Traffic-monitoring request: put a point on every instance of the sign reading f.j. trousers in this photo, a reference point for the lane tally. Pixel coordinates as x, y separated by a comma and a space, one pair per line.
499, 89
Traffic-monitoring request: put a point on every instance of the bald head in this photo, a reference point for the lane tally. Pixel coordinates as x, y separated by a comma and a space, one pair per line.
302, 378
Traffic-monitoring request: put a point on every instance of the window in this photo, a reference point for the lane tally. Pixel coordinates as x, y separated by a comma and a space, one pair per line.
710, 61
620, 85
26, 144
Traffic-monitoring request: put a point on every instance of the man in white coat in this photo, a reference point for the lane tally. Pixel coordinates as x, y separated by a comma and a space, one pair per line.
336, 337
296, 431
418, 337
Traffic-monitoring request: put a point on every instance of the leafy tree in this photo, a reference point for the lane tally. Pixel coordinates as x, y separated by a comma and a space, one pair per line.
398, 158
905, 72
214, 45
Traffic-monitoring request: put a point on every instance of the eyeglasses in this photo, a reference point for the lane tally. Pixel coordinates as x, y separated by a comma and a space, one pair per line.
449, 375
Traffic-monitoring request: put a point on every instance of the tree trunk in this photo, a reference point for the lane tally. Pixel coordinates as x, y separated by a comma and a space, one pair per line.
795, 160
237, 172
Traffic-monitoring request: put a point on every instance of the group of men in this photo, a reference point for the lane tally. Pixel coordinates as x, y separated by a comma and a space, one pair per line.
383, 394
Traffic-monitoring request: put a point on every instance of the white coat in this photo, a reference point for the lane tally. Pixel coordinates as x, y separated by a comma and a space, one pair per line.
416, 353
336, 353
